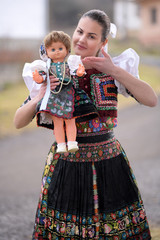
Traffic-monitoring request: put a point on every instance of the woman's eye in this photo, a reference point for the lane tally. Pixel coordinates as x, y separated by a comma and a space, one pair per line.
91, 37
79, 31
53, 50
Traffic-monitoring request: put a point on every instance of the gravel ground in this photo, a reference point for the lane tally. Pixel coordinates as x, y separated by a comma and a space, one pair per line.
23, 158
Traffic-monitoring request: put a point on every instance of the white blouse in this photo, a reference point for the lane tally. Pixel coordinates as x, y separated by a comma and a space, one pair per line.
128, 60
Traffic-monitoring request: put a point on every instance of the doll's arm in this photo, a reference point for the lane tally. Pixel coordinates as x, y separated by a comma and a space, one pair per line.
80, 71
76, 66
38, 77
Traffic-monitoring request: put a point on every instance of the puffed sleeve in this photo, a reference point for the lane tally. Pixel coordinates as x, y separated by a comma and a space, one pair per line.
73, 63
129, 61
32, 86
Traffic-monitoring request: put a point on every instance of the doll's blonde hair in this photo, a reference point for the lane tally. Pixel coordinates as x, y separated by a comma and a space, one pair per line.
58, 36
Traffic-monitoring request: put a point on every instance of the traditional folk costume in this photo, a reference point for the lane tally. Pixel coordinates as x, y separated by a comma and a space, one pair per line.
93, 194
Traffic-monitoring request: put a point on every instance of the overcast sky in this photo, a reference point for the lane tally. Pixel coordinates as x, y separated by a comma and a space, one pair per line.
22, 18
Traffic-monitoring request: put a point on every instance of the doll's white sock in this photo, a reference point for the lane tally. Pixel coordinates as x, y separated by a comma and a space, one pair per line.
71, 142
61, 144
61, 148
72, 146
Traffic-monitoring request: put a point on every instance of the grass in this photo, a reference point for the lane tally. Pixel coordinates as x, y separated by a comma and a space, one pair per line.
155, 233
13, 95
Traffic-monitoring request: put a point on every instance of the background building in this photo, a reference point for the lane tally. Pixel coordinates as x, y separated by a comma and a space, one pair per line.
127, 18
149, 33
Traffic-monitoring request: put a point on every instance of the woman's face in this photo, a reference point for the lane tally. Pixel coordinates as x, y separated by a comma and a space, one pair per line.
87, 38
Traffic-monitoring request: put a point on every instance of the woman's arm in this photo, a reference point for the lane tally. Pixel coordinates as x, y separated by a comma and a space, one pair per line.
141, 90
25, 113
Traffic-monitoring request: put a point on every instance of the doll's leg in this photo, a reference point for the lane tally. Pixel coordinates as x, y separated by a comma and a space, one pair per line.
59, 133
71, 132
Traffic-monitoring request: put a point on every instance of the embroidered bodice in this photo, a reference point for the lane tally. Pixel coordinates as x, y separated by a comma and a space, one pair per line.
60, 70
103, 92
101, 89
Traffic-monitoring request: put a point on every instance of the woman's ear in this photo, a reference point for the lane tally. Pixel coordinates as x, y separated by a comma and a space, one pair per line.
105, 42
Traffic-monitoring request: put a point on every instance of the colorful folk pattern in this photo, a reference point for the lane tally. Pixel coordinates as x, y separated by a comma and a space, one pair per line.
62, 104
104, 92
97, 125
81, 98
128, 222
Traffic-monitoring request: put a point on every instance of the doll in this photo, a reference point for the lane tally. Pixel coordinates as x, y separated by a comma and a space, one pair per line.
60, 103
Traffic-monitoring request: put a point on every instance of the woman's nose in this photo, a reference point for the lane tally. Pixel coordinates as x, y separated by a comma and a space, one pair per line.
82, 38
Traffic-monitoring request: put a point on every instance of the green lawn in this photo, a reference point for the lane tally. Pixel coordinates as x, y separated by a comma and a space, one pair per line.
14, 95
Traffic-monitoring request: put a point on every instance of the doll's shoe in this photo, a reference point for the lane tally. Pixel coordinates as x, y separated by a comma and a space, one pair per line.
61, 148
72, 146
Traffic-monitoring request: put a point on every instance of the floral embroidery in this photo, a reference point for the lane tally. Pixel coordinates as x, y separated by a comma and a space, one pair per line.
96, 125
128, 222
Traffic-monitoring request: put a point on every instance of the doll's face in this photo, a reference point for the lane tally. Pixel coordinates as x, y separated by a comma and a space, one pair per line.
57, 52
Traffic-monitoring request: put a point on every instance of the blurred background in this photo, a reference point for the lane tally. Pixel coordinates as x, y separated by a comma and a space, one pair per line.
23, 25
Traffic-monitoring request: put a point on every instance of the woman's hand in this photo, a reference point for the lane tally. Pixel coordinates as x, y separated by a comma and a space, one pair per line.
102, 64
141, 90
54, 82
24, 114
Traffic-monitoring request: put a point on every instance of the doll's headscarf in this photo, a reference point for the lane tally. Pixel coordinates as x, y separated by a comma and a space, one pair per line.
44, 57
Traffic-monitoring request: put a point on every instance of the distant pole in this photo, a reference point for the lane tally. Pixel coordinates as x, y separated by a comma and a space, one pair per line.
125, 5
47, 15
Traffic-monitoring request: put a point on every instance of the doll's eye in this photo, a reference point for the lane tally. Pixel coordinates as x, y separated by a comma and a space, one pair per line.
60, 49
53, 50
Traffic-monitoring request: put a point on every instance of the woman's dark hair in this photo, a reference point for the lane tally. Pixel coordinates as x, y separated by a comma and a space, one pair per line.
101, 18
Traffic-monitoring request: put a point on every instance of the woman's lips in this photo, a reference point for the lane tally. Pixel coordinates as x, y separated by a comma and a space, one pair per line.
79, 46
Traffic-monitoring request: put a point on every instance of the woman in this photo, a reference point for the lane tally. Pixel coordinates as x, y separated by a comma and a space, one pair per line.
92, 194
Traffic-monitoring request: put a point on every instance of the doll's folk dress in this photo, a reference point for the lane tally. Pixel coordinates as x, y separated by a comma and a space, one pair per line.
65, 101
92, 194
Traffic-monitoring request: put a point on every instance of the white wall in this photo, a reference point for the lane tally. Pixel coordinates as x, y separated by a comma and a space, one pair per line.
126, 16
23, 18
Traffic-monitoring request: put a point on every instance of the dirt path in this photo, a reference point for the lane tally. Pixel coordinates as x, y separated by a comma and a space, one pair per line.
23, 158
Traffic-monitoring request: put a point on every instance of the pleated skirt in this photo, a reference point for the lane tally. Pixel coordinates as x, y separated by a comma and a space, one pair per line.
90, 194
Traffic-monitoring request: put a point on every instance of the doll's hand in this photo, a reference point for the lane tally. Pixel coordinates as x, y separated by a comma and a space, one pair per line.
37, 77
80, 71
